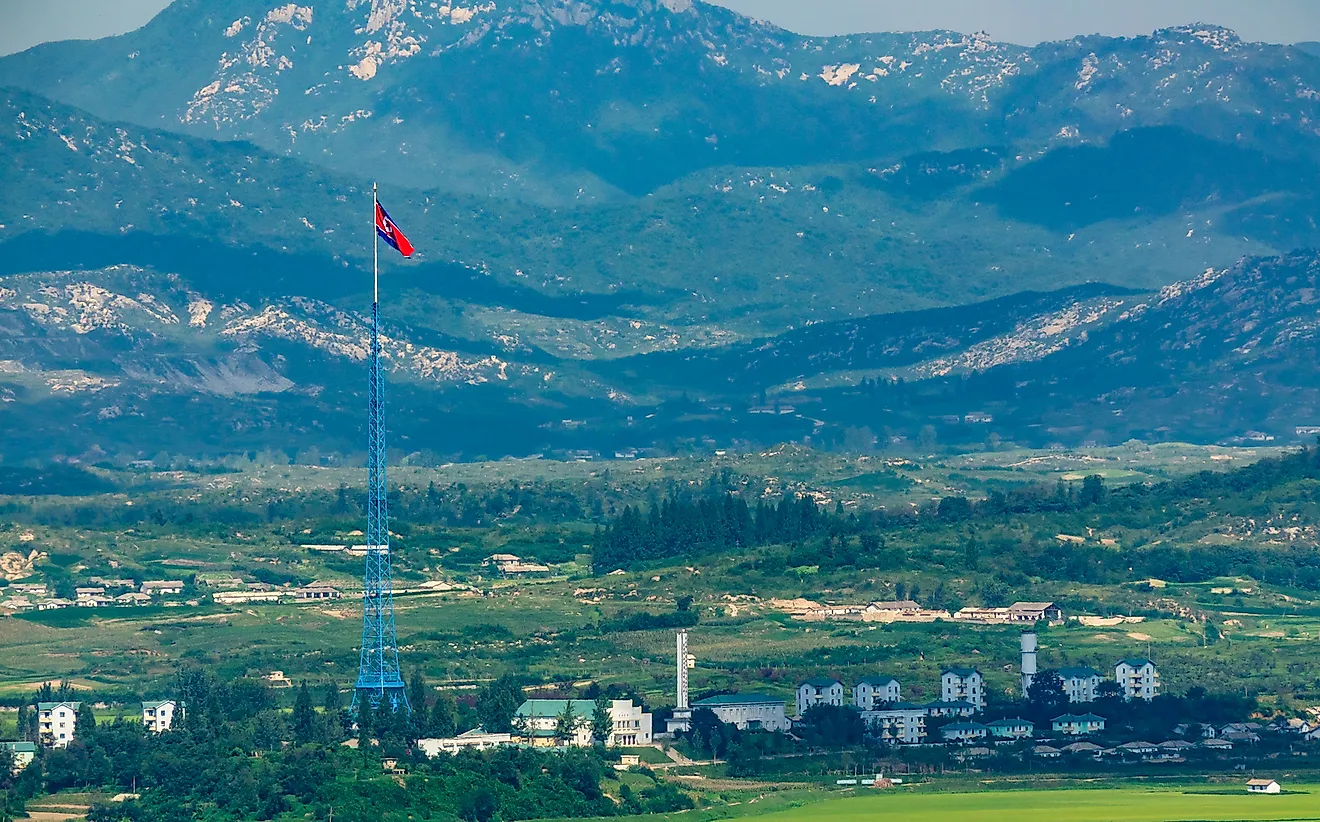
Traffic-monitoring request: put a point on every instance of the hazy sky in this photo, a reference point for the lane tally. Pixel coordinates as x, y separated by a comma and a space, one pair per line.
28, 22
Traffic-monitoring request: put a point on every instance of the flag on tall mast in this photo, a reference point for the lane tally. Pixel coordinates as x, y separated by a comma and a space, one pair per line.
379, 676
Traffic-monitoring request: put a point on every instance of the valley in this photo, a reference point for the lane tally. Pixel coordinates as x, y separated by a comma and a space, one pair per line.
889, 361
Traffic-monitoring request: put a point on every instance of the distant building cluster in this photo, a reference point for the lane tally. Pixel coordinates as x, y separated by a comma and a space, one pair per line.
100, 592
906, 610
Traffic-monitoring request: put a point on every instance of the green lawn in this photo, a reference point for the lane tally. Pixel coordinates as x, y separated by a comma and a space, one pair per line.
1119, 805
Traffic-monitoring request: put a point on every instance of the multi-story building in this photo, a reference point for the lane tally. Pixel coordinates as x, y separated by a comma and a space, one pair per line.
538, 720
818, 691
747, 711
872, 692
964, 731
898, 722
958, 708
1137, 678
159, 716
23, 753
57, 722
962, 684
1080, 684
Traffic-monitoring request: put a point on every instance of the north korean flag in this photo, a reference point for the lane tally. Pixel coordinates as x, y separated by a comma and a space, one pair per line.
390, 233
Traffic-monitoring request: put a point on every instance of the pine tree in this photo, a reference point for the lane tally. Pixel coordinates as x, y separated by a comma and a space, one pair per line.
602, 723
443, 721
304, 717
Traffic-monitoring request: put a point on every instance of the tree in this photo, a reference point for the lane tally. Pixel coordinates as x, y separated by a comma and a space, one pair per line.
497, 703
365, 715
443, 720
304, 717
602, 723
417, 701
1093, 491
1046, 695
567, 724
478, 805
86, 717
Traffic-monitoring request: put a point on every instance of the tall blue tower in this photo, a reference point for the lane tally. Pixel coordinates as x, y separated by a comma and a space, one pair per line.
379, 677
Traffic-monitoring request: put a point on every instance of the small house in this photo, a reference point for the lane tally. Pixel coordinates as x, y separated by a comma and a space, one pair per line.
1078, 725
1263, 786
964, 731
1011, 728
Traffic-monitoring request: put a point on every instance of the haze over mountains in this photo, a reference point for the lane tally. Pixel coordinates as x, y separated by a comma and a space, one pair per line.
641, 221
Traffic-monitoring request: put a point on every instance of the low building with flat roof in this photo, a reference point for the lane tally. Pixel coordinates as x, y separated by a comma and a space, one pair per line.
747, 711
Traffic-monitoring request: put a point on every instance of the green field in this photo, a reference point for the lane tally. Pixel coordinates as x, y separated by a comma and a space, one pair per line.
1125, 805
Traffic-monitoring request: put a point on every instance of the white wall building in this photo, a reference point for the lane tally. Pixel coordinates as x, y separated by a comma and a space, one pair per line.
962, 685
539, 720
474, 740
871, 692
1137, 678
747, 711
1080, 684
900, 722
57, 722
819, 691
159, 716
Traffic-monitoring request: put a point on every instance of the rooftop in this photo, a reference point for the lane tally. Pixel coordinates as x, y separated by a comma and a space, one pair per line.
737, 699
1136, 662
962, 672
1081, 672
876, 680
549, 708
1079, 718
821, 682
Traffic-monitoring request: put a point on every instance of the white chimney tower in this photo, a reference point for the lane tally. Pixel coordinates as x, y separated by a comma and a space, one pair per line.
682, 671
1028, 661
681, 721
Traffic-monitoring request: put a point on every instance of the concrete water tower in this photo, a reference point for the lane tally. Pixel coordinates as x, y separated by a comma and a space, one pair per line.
1028, 661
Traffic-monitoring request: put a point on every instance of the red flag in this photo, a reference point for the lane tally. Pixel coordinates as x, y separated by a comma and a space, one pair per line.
390, 233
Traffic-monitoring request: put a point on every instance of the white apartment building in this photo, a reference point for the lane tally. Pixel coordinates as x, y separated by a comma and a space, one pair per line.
1080, 684
819, 691
159, 716
57, 722
872, 692
962, 685
900, 722
1137, 678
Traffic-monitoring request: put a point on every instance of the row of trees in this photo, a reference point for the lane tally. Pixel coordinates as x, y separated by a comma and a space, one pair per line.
714, 522
234, 754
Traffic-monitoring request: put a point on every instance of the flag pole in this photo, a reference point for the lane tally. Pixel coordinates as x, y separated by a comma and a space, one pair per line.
375, 248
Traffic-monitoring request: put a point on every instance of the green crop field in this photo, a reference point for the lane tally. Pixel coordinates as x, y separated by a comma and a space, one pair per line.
1078, 805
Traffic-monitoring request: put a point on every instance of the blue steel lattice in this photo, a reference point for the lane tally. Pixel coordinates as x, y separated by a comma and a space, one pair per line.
379, 677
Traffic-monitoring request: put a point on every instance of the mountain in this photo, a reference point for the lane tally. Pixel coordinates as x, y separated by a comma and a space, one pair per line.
565, 98
1226, 356
640, 223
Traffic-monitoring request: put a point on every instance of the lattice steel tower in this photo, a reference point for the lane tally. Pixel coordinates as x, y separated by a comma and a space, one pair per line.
379, 677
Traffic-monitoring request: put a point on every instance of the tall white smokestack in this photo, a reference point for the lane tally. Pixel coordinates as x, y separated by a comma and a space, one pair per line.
1028, 661
683, 671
